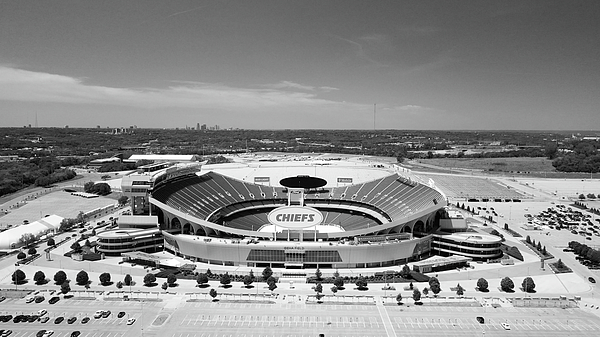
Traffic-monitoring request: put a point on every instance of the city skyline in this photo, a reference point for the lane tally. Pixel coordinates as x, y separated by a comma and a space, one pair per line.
486, 65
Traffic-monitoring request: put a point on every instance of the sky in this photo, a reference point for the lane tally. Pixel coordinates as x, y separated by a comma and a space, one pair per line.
409, 65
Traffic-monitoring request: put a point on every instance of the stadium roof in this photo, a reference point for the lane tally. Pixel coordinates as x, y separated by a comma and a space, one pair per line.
166, 157
10, 238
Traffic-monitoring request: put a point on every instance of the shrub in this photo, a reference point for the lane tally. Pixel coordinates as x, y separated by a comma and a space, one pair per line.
51, 242
272, 286
127, 280
213, 293
119, 284
21, 256
248, 280
338, 282
361, 283
32, 251
165, 285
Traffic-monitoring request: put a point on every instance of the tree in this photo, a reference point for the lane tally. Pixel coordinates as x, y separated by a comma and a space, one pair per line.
60, 277
18, 276
528, 285
334, 289
482, 284
104, 279
399, 298
272, 286
416, 295
560, 264
507, 284
528, 239
505, 226
65, 287
201, 279
32, 251
119, 284
405, 273
434, 285
410, 286
225, 279
425, 291
123, 200
460, 290
318, 288
318, 274
336, 274
338, 282
76, 246
87, 187
581, 196
171, 280
82, 278
267, 272
26, 239
361, 283
165, 285
248, 280
21, 256
213, 293
539, 246
149, 280
51, 242
127, 280
39, 277
544, 250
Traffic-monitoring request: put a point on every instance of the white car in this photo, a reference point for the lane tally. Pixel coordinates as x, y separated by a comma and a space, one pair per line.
42, 312
506, 326
48, 333
130, 321
98, 313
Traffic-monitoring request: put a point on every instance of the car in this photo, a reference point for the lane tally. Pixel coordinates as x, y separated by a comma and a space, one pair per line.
42, 312
98, 313
49, 333
130, 321
39, 299
75, 333
54, 300
85, 320
33, 318
2, 298
72, 320
480, 319
588, 238
121, 314
29, 299
44, 319
59, 320
6, 333
506, 326
40, 333
591, 279
106, 314
6, 318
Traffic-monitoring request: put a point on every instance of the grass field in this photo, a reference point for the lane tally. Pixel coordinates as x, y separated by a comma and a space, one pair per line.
525, 164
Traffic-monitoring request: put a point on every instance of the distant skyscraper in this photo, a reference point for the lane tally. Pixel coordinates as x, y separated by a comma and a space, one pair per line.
203, 127
197, 126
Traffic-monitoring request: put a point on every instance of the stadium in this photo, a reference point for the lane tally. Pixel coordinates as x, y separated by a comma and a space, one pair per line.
293, 212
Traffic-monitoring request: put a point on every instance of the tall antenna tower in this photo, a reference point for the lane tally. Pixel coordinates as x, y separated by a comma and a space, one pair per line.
36, 119
374, 115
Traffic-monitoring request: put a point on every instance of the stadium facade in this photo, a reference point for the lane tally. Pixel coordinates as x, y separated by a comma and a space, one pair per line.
257, 213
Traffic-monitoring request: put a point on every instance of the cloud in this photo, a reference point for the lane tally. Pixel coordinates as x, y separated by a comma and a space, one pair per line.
361, 49
30, 86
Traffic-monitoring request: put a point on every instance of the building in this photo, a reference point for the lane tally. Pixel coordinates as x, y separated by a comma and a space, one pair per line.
299, 213
9, 239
